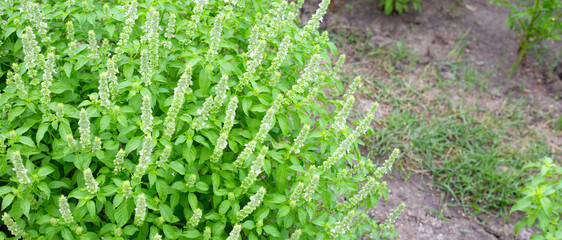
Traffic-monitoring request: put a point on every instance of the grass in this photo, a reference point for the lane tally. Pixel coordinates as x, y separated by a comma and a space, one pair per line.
474, 154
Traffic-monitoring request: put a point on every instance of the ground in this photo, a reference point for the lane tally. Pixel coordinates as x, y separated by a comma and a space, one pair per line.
455, 50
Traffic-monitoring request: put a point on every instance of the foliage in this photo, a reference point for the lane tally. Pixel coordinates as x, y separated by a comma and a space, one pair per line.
542, 201
177, 119
399, 6
533, 21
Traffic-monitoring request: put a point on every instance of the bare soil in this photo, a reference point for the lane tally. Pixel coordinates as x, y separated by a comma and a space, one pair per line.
491, 48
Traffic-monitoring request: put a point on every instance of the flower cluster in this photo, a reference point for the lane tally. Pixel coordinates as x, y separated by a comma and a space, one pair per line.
194, 220
204, 112
19, 168
146, 115
179, 97
387, 164
296, 195
278, 60
207, 233
255, 170
215, 38
145, 157
170, 30
157, 236
70, 36
345, 224
222, 141
70, 142
392, 217
33, 14
31, 50
103, 90
64, 210
118, 161
299, 142
309, 75
235, 233
311, 187
164, 156
195, 18
130, 18
296, 235
145, 70
150, 29
255, 201
112, 72
15, 78
84, 128
372, 187
314, 22
90, 181
220, 94
190, 182
256, 57
93, 45
340, 118
13, 226
350, 139
48, 71
126, 189
140, 210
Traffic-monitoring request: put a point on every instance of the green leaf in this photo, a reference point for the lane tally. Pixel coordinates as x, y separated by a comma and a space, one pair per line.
201, 186
5, 189
246, 104
23, 205
271, 230
122, 215
192, 199
133, 144
104, 122
81, 63
44, 188
224, 206
166, 212
283, 211
45, 171
41, 132
67, 68
66, 234
27, 141
91, 208
15, 112
7, 200
178, 167
171, 231
248, 224
193, 233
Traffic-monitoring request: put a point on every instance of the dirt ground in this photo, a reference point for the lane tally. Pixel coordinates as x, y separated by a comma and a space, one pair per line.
491, 48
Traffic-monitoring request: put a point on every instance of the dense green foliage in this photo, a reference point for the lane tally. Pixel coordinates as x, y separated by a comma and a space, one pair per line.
178, 119
542, 201
533, 21
399, 6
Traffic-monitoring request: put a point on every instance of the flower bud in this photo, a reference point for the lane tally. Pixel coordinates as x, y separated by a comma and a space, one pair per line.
392, 218
19, 168
145, 70
255, 170
222, 141
13, 226
215, 38
103, 90
177, 102
91, 183
118, 161
145, 157
84, 129
190, 182
235, 233
164, 156
157, 237
207, 234
96, 146
297, 194
146, 115
140, 210
126, 189
64, 210
296, 235
255, 201
299, 142
31, 54
311, 188
194, 220
69, 139
48, 71
93, 45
